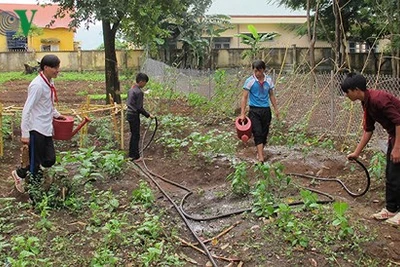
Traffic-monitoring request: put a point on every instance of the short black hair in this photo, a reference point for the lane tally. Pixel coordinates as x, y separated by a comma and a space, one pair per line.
259, 65
51, 61
142, 77
354, 81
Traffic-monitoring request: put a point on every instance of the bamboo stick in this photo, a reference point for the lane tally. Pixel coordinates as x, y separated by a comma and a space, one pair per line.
79, 111
122, 126
222, 233
114, 120
202, 251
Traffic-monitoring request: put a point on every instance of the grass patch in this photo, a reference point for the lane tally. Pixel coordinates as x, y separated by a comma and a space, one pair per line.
15, 76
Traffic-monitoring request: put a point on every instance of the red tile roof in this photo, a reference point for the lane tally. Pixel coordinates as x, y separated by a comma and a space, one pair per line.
43, 16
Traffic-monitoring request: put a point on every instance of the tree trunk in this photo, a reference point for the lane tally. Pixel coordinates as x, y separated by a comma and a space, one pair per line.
312, 37
111, 64
338, 34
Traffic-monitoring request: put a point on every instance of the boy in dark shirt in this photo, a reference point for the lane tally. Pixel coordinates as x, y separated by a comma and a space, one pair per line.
382, 107
134, 109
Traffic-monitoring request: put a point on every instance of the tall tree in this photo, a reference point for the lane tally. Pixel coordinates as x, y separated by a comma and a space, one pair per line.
312, 10
386, 21
142, 15
195, 31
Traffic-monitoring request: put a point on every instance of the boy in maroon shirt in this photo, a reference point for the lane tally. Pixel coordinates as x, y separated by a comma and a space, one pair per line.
384, 108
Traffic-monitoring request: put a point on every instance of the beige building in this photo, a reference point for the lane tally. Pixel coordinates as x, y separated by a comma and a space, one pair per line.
265, 24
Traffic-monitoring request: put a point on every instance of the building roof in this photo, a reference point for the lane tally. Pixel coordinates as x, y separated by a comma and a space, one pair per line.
43, 17
260, 19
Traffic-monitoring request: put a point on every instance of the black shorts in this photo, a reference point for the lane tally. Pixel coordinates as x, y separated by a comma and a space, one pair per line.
260, 121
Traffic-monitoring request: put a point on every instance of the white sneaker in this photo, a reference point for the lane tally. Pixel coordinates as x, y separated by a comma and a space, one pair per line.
383, 214
19, 182
395, 220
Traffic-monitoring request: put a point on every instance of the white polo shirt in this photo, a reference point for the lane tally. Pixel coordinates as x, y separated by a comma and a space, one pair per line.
39, 110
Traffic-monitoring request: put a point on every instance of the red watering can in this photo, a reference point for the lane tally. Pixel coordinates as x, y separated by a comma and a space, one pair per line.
64, 129
243, 128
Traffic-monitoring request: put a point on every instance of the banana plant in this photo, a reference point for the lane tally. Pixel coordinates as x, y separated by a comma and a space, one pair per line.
254, 40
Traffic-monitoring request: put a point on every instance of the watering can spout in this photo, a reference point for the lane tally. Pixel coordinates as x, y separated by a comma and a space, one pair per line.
85, 120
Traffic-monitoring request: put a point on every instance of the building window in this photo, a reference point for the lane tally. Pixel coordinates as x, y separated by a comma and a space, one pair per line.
15, 43
358, 47
50, 44
222, 42
272, 34
352, 47
48, 47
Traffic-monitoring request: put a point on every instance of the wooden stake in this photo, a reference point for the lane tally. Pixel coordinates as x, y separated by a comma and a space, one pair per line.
202, 251
122, 126
222, 233
114, 121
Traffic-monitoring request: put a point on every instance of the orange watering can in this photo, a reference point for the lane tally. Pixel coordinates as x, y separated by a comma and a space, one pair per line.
64, 129
243, 128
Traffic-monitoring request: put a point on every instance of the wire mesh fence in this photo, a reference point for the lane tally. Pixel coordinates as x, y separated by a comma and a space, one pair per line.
314, 102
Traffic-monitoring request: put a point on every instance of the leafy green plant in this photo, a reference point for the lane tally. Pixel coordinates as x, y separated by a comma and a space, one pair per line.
264, 201
254, 40
271, 183
113, 231
151, 227
152, 254
102, 205
104, 257
112, 162
6, 126
104, 135
171, 128
212, 142
291, 226
310, 200
166, 90
196, 100
341, 221
143, 195
74, 202
377, 165
27, 251
44, 209
239, 180
4, 244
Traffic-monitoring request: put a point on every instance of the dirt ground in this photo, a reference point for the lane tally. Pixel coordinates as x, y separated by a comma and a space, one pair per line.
211, 177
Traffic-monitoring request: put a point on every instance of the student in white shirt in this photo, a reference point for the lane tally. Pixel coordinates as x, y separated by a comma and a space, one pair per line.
37, 121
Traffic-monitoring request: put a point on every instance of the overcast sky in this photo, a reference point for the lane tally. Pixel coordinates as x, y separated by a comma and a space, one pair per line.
93, 38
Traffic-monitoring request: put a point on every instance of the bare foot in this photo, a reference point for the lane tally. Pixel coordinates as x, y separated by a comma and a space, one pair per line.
138, 160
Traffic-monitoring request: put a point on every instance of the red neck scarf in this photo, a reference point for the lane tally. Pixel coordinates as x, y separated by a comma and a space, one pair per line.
52, 88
